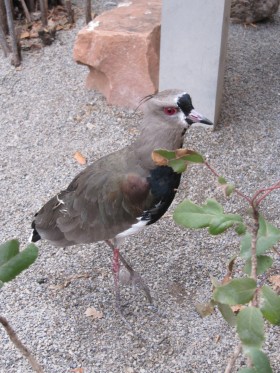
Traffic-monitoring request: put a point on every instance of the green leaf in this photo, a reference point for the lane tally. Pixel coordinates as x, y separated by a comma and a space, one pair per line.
237, 291
245, 251
268, 236
190, 215
167, 154
240, 229
18, 263
270, 305
221, 223
250, 327
260, 360
8, 250
227, 314
209, 215
194, 157
247, 370
263, 263
229, 189
222, 180
178, 165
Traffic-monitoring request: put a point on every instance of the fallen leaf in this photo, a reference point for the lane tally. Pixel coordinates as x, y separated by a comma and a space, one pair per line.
92, 312
217, 338
204, 309
80, 158
24, 35
78, 370
275, 281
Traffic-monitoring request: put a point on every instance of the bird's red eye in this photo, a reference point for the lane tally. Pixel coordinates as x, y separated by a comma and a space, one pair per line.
170, 110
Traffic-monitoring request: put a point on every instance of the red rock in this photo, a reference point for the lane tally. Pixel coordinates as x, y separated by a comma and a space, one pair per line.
121, 49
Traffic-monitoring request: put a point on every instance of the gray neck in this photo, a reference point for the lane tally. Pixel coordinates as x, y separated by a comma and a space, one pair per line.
169, 138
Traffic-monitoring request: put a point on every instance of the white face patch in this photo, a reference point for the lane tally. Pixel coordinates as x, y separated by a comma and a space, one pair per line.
182, 118
135, 228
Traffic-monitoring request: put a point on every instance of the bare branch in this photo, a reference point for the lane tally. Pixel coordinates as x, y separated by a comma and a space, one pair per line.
214, 172
266, 192
26, 11
233, 359
44, 13
3, 42
88, 11
15, 47
24, 350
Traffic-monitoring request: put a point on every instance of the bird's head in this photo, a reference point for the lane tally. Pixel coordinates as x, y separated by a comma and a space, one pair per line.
173, 107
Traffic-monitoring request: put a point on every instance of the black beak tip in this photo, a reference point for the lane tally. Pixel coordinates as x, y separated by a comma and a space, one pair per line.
206, 121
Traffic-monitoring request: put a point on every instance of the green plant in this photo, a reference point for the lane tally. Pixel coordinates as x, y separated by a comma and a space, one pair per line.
12, 263
257, 301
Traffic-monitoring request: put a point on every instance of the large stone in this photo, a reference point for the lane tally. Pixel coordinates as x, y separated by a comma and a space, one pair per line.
121, 49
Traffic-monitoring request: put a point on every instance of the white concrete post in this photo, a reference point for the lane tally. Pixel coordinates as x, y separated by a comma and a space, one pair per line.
193, 50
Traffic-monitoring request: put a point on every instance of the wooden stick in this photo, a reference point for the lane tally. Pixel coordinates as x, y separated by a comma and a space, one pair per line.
26, 11
3, 17
24, 350
88, 11
44, 13
70, 12
3, 42
15, 47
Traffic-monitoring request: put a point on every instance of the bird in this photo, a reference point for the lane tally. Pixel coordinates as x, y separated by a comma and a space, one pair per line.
251, 11
123, 192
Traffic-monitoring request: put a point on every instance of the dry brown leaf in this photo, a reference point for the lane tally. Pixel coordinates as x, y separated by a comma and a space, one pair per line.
181, 152
204, 309
33, 34
94, 313
159, 159
80, 158
237, 308
275, 281
78, 370
217, 338
24, 35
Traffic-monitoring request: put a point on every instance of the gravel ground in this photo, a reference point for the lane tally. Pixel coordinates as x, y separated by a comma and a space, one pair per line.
46, 116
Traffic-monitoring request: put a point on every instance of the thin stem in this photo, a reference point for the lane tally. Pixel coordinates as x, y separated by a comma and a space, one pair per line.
24, 350
233, 359
214, 172
254, 243
266, 192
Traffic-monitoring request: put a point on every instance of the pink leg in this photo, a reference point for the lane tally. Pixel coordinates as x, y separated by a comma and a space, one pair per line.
116, 272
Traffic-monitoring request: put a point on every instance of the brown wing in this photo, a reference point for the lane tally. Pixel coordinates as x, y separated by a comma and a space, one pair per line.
98, 204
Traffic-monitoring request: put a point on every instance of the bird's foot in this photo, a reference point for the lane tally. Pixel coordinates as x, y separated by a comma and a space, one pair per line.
128, 275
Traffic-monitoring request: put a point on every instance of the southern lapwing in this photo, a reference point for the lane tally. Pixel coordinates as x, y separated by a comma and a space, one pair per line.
123, 192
